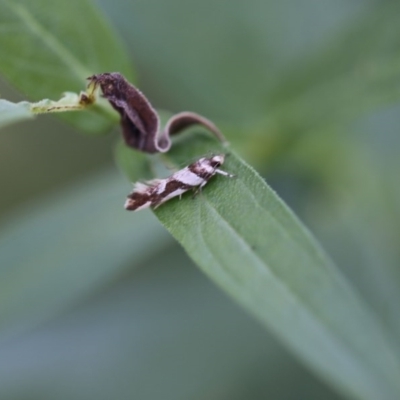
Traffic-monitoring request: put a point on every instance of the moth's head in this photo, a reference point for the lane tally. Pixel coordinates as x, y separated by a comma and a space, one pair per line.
217, 160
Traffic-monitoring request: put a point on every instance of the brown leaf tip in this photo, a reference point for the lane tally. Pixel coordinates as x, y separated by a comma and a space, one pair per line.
139, 120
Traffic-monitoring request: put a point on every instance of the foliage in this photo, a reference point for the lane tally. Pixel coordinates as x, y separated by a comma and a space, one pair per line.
290, 114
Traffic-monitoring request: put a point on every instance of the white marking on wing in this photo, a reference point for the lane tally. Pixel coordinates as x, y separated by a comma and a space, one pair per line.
173, 194
208, 168
154, 182
140, 187
187, 177
142, 207
161, 186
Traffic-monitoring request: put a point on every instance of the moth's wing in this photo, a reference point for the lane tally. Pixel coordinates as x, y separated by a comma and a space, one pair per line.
153, 182
140, 187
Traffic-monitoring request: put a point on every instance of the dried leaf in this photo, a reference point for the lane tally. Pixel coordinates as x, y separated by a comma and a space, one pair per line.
139, 120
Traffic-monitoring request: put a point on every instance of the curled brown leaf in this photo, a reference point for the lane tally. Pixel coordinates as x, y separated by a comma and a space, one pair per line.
139, 120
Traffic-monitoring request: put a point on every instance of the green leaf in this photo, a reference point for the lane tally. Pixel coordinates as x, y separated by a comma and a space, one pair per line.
246, 240
358, 225
13, 112
52, 47
56, 251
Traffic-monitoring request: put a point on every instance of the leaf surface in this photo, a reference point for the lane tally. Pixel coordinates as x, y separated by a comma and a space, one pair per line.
247, 240
13, 112
52, 47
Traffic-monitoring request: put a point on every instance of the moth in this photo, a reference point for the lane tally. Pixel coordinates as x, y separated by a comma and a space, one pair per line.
193, 177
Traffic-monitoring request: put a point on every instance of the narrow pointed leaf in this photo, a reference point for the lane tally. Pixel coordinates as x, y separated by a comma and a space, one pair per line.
246, 239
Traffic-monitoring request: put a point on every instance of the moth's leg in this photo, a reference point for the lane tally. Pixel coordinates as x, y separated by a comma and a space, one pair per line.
197, 189
221, 172
155, 206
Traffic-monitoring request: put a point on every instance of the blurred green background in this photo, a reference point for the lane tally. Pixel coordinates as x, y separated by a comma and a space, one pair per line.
96, 303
